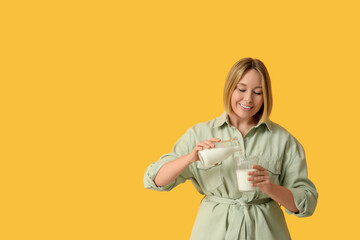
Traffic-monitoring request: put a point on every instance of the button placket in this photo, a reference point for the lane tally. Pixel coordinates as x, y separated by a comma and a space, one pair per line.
241, 138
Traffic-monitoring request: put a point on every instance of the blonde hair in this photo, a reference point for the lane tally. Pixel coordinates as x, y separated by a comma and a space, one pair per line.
233, 78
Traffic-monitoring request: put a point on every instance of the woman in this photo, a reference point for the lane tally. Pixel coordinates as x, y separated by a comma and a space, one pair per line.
280, 176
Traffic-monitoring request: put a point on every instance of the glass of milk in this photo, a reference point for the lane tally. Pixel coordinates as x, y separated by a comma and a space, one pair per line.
243, 167
221, 151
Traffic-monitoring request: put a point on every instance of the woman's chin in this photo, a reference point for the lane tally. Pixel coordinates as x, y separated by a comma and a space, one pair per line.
243, 114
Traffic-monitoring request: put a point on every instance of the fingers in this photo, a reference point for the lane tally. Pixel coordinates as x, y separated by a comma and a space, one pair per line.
215, 139
198, 148
258, 173
260, 182
258, 179
259, 176
259, 170
208, 143
258, 167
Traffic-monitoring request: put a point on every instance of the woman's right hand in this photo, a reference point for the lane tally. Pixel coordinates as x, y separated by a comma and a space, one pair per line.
200, 146
171, 170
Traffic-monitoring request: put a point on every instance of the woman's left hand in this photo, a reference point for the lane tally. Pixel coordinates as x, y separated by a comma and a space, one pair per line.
260, 178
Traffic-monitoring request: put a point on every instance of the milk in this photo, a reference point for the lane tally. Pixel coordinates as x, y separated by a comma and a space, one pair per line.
244, 184
209, 157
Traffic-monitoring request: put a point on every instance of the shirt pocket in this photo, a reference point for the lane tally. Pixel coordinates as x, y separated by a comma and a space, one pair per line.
273, 166
210, 177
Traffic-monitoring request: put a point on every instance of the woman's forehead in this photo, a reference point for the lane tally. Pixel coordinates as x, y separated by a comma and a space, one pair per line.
252, 84
251, 77
244, 84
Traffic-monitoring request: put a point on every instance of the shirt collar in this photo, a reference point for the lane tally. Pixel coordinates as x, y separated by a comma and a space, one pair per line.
224, 118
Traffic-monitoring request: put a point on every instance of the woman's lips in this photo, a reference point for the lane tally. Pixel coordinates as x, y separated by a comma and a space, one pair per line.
245, 108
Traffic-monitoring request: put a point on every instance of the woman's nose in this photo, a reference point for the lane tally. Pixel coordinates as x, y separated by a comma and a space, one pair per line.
248, 98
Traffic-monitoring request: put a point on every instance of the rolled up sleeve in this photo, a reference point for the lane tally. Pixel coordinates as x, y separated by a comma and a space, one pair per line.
295, 178
182, 147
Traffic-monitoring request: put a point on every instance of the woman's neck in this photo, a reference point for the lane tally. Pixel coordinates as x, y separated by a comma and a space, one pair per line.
243, 125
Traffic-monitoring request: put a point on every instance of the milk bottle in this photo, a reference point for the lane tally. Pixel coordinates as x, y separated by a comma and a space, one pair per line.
221, 151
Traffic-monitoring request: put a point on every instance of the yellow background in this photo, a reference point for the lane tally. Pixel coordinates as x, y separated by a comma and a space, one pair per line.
92, 92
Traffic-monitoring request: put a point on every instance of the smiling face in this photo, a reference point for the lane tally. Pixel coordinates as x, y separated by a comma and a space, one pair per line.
247, 98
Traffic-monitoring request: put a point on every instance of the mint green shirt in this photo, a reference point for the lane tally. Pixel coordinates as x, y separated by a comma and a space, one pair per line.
227, 213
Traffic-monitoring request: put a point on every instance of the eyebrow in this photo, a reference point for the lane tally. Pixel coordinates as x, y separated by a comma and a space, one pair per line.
246, 85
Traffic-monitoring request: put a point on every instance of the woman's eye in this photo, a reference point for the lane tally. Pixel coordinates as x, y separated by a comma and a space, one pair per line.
241, 90
258, 93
